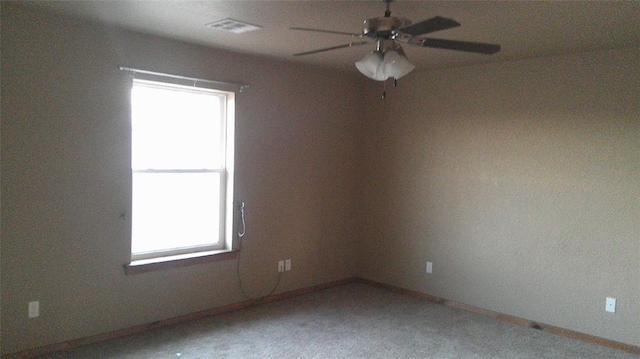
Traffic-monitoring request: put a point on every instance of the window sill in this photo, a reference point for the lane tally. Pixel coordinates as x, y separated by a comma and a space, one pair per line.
155, 264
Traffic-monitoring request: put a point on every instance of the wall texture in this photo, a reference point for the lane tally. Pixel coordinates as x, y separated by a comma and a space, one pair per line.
520, 182
65, 178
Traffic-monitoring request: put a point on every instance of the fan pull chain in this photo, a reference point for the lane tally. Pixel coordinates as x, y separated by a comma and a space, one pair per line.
384, 88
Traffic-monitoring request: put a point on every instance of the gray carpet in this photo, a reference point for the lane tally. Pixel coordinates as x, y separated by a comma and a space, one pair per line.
351, 321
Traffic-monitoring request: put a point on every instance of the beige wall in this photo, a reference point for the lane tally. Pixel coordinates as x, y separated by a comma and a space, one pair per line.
65, 179
520, 181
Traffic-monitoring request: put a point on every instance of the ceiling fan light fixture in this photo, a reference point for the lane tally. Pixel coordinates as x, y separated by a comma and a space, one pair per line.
380, 66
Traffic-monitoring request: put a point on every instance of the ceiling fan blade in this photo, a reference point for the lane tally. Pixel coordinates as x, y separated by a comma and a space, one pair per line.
332, 48
430, 25
477, 47
326, 31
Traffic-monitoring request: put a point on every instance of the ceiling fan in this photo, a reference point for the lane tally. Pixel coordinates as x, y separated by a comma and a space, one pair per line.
389, 60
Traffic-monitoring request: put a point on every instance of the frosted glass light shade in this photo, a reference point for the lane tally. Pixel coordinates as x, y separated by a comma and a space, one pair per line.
396, 65
371, 66
381, 66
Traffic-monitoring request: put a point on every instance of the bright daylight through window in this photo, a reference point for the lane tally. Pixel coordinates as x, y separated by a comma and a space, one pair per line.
181, 156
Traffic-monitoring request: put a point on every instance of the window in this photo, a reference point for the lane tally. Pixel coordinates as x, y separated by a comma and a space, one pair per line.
181, 161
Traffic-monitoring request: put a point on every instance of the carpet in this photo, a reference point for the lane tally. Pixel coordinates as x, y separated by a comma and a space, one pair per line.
355, 320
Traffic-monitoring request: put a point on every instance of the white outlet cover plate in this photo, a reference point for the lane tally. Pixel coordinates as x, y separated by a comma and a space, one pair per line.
429, 267
610, 305
34, 309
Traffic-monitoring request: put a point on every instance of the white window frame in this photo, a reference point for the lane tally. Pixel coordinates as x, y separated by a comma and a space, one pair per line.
226, 172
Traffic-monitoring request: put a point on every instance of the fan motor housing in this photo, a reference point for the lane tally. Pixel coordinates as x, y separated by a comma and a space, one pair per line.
383, 26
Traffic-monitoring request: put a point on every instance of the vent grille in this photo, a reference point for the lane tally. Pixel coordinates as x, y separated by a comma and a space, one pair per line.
231, 25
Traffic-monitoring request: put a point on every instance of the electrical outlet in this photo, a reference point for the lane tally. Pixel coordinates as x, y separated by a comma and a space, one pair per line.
610, 305
429, 267
280, 266
287, 265
34, 309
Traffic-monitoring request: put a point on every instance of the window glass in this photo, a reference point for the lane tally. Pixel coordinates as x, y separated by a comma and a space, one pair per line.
179, 154
174, 128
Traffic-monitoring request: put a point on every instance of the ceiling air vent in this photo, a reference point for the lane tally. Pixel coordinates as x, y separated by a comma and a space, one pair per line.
231, 25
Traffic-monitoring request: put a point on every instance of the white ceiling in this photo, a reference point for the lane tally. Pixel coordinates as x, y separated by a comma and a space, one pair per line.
525, 29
